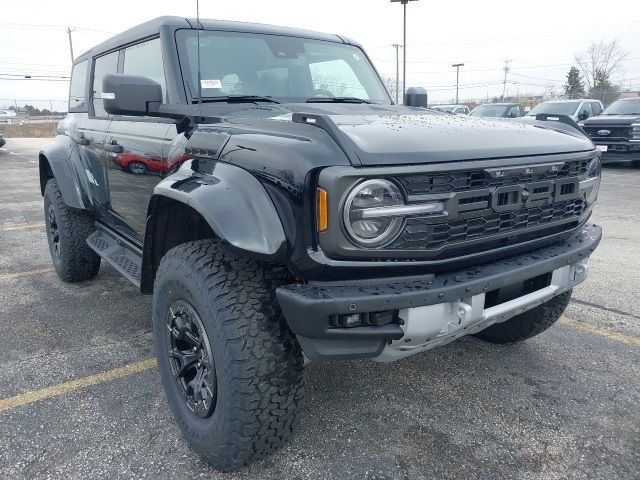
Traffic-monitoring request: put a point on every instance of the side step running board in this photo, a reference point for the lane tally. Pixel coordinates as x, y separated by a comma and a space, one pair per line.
117, 252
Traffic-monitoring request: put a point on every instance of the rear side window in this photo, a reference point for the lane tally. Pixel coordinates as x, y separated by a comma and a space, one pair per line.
77, 97
101, 67
146, 59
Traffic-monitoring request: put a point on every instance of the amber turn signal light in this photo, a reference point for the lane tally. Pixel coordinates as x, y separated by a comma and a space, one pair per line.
321, 210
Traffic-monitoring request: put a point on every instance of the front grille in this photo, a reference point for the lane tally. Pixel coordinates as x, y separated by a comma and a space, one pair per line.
432, 183
616, 132
422, 233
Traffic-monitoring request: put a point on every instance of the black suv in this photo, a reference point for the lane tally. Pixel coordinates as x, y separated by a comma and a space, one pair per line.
261, 184
616, 131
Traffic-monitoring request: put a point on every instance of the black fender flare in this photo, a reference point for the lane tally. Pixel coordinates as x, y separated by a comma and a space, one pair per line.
233, 202
72, 171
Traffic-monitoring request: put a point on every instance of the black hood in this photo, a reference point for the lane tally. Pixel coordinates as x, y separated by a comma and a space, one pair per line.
395, 135
612, 120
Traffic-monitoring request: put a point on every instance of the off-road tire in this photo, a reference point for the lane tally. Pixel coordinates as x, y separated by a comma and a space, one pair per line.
257, 360
76, 262
527, 324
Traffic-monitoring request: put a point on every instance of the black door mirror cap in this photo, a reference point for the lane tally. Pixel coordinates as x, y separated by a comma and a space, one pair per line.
416, 97
130, 94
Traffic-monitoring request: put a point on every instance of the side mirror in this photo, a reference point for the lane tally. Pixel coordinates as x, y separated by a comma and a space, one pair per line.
583, 115
415, 97
129, 94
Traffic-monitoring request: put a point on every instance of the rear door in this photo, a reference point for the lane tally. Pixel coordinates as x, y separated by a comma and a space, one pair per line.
136, 156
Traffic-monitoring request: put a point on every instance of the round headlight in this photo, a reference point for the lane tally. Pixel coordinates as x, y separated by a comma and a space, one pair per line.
365, 220
594, 168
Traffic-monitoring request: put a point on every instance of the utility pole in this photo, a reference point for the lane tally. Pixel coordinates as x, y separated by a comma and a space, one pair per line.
404, 43
397, 47
507, 62
457, 67
69, 30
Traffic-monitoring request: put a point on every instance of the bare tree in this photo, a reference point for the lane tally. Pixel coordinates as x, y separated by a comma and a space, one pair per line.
600, 61
390, 85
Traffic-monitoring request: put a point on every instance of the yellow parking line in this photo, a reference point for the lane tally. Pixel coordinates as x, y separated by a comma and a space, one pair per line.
25, 273
618, 337
72, 385
27, 226
84, 382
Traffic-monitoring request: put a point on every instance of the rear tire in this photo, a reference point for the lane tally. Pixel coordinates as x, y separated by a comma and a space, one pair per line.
67, 233
527, 324
254, 363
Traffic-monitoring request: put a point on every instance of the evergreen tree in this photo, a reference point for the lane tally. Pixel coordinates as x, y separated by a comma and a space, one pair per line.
574, 88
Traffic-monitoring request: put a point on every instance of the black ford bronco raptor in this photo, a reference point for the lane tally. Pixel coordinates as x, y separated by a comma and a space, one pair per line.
261, 184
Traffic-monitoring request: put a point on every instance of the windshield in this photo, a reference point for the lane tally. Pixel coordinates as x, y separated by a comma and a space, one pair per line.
623, 107
488, 111
558, 108
287, 69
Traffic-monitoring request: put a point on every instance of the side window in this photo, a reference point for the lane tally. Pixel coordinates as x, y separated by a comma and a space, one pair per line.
586, 107
336, 77
596, 108
101, 67
514, 112
146, 59
77, 100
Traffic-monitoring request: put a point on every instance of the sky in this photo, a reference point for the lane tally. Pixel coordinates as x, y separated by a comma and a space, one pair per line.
539, 37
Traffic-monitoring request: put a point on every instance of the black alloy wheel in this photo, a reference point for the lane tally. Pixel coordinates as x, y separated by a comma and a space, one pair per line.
191, 359
54, 234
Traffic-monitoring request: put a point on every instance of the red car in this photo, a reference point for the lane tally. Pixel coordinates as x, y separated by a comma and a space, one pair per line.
140, 164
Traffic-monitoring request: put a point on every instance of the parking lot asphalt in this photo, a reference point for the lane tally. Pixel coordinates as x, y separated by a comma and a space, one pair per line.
563, 405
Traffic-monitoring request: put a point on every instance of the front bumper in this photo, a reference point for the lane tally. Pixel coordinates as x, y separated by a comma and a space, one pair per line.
619, 152
310, 308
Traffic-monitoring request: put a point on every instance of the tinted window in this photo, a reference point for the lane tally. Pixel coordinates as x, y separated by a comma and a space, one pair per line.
101, 67
146, 59
77, 100
596, 108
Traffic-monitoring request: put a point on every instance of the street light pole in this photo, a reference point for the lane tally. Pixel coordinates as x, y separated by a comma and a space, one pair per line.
70, 43
404, 42
457, 67
397, 46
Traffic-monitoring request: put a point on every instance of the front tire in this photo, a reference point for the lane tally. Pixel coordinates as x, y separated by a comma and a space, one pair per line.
219, 310
528, 324
67, 233
137, 168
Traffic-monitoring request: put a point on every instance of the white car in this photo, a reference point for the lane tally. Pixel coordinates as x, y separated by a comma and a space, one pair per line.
7, 116
579, 109
457, 109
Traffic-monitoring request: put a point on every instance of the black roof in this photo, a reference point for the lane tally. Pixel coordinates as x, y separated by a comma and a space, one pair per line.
152, 27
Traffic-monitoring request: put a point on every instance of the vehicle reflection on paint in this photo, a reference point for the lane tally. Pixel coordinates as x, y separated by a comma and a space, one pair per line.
141, 164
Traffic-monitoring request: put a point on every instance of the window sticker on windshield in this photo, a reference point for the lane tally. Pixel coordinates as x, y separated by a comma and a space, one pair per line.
211, 83
357, 57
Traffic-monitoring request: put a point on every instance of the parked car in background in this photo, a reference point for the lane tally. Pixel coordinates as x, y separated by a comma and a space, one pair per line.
457, 109
579, 109
617, 131
2, 141
7, 116
503, 110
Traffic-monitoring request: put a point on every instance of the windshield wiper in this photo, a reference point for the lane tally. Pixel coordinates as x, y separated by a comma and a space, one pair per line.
239, 99
337, 100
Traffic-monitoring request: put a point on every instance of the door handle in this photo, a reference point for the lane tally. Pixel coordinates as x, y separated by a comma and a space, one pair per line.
113, 147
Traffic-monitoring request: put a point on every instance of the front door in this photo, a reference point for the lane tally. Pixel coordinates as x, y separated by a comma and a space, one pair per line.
135, 162
136, 156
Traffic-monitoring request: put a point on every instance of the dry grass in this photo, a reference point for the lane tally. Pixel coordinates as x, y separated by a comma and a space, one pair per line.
29, 130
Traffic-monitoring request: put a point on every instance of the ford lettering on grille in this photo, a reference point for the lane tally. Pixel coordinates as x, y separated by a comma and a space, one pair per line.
514, 197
